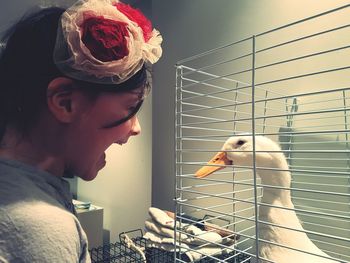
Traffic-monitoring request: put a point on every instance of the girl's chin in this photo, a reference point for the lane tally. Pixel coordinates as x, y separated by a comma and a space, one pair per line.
89, 176
102, 161
93, 171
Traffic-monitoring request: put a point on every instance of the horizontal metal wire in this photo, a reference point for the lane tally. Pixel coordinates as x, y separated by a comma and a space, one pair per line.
183, 61
324, 210
237, 132
310, 55
244, 190
236, 112
206, 242
298, 76
320, 200
268, 223
297, 95
303, 38
300, 250
203, 195
281, 151
194, 150
303, 20
336, 245
323, 101
199, 252
180, 62
238, 103
284, 188
265, 168
292, 114
320, 72
337, 217
215, 77
200, 70
289, 133
237, 90
212, 96
342, 116
238, 182
197, 94
239, 233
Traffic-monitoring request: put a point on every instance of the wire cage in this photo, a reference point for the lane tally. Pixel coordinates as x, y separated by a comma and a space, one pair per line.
292, 85
135, 250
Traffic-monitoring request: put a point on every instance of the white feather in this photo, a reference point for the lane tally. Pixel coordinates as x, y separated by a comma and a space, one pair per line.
240, 152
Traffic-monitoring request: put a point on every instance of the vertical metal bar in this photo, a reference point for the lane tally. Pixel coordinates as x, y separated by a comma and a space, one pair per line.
181, 160
265, 109
290, 123
175, 152
178, 154
346, 137
233, 175
346, 127
254, 154
235, 110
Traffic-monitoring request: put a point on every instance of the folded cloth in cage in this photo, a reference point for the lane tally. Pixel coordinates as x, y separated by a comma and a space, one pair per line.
192, 252
163, 225
152, 226
160, 217
165, 220
189, 234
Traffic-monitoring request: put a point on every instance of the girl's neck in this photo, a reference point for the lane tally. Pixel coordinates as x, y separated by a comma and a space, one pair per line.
29, 150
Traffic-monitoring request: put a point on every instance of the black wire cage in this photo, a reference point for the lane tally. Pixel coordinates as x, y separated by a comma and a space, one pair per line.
122, 252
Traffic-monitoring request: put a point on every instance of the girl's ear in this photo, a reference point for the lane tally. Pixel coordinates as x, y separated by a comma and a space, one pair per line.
63, 100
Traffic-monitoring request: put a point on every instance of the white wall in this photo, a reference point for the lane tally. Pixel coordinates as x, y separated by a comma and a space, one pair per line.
11, 11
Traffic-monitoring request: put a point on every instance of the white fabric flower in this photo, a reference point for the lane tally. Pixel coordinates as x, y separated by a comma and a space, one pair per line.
76, 59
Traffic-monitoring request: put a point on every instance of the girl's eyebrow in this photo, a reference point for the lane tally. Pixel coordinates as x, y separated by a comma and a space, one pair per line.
135, 94
122, 120
140, 93
114, 124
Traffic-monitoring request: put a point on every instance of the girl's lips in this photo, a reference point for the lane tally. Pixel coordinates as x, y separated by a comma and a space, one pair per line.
122, 142
102, 160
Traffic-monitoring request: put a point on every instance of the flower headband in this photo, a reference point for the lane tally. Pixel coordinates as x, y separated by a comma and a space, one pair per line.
105, 41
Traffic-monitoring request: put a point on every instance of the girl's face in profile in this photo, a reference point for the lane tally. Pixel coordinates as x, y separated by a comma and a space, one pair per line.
98, 128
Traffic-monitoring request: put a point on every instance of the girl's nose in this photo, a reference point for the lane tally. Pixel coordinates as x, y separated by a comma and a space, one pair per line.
136, 128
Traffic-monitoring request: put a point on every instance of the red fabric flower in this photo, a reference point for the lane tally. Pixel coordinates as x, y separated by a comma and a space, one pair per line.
137, 17
105, 38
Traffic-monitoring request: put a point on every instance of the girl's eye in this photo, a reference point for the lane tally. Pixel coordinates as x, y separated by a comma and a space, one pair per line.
132, 109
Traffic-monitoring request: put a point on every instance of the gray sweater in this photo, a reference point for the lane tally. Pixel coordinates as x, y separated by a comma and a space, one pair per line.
37, 221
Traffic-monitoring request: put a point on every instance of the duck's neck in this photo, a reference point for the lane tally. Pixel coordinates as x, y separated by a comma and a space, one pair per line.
276, 184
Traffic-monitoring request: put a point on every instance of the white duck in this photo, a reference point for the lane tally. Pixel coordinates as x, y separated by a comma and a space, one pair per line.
239, 151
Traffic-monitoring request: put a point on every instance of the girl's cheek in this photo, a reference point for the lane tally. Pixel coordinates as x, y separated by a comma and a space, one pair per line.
128, 126
123, 129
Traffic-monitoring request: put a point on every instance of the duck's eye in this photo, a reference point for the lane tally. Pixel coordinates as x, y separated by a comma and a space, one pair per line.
240, 142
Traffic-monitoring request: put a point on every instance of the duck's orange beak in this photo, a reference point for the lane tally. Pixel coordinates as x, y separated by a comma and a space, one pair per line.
219, 159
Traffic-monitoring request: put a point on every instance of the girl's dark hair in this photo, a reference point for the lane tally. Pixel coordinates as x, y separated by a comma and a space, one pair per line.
27, 67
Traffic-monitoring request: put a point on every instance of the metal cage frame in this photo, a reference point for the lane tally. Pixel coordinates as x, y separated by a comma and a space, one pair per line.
289, 84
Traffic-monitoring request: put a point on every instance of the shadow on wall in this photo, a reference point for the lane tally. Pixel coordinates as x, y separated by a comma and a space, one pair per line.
11, 11
106, 237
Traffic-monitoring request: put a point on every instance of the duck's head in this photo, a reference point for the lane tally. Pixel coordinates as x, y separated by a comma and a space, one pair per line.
238, 150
